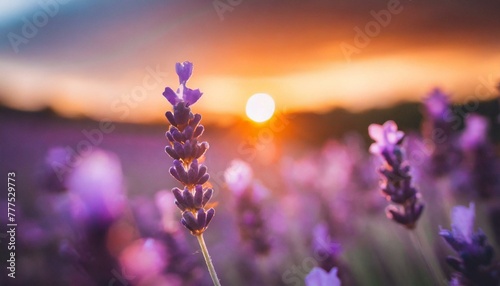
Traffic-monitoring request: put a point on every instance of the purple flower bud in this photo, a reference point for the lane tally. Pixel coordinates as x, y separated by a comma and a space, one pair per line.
207, 195
172, 153
202, 171
171, 96
171, 118
386, 136
203, 179
198, 196
182, 174
174, 173
192, 173
188, 198
180, 202
201, 218
201, 149
196, 120
179, 149
176, 134
198, 131
181, 113
189, 221
210, 215
188, 149
184, 71
188, 132
169, 136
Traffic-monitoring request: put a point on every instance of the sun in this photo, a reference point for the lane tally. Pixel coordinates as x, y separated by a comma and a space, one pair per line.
260, 107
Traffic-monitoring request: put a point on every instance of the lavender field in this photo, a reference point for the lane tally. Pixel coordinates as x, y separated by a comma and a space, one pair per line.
259, 143
285, 205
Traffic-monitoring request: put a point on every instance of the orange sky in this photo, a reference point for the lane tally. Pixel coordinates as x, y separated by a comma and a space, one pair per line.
99, 59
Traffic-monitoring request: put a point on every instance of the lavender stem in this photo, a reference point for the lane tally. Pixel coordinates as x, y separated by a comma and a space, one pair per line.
208, 260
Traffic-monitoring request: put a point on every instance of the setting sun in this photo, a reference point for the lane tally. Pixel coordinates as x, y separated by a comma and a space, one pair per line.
260, 107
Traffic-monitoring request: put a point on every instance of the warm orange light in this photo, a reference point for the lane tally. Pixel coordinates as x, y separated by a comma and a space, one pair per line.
260, 107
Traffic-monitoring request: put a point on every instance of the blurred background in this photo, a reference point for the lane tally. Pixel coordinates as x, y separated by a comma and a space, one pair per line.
86, 78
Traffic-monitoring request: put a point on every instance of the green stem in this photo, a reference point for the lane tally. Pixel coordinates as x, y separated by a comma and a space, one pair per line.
208, 260
428, 258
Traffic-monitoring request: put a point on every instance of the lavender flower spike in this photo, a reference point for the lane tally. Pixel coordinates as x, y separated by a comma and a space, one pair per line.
249, 215
185, 149
475, 265
396, 184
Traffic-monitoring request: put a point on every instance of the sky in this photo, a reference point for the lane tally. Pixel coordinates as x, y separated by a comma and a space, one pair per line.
113, 59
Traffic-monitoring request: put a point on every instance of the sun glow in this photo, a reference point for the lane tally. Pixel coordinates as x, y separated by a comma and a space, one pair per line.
260, 107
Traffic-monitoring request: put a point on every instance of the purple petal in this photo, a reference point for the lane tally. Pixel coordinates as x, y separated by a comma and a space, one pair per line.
376, 132
171, 96
207, 196
210, 215
198, 196
191, 95
319, 277
199, 130
170, 116
188, 198
462, 222
201, 218
184, 71
203, 179
189, 221
172, 153
174, 173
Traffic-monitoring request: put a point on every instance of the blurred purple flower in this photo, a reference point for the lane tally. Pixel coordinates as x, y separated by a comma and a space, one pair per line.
143, 258
440, 127
184, 94
480, 160
96, 186
462, 223
396, 185
475, 133
475, 263
436, 104
386, 137
319, 277
57, 170
323, 246
238, 176
167, 210
249, 196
